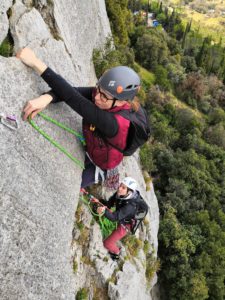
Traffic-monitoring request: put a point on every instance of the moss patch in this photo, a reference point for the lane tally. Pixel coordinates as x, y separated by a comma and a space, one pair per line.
146, 247
6, 47
82, 294
75, 266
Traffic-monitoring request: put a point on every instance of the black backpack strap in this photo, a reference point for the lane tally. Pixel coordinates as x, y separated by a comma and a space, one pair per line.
136, 225
126, 113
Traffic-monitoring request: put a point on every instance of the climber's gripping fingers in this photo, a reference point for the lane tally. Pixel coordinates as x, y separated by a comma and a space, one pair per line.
27, 56
101, 210
94, 200
33, 107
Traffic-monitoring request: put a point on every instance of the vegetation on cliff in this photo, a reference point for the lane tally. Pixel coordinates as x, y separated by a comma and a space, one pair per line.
184, 95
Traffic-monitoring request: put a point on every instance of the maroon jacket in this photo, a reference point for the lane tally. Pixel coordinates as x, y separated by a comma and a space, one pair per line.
108, 125
102, 153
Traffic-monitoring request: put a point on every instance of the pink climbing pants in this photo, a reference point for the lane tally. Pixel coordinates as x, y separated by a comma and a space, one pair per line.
115, 236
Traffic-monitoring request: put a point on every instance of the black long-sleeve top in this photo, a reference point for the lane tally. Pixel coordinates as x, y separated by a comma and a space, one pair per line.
125, 209
80, 100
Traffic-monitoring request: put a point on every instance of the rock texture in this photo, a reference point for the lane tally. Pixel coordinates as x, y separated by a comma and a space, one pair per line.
39, 186
4, 22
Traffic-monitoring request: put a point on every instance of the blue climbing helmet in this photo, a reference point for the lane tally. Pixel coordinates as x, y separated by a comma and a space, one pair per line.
120, 82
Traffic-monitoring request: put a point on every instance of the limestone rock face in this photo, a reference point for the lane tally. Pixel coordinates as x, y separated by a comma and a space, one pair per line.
134, 288
4, 22
40, 253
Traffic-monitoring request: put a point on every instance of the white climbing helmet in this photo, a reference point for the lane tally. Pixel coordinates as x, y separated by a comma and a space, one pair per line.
131, 183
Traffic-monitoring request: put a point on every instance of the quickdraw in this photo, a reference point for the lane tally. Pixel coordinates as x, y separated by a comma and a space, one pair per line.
53, 142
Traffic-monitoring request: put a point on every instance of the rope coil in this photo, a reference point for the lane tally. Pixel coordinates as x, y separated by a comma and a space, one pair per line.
105, 224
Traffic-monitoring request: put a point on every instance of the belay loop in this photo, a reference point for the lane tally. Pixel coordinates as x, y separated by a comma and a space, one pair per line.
53, 142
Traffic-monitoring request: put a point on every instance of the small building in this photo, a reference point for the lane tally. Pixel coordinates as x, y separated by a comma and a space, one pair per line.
155, 23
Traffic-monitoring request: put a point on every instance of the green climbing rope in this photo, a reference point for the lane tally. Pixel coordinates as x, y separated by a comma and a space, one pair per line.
53, 142
106, 225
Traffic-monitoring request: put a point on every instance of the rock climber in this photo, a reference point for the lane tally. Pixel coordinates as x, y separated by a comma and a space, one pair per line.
124, 199
105, 131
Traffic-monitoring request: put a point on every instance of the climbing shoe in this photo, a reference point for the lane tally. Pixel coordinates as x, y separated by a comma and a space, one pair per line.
114, 256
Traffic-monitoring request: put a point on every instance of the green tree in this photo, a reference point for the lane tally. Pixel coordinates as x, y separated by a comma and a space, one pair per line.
216, 135
177, 245
176, 73
146, 157
151, 50
161, 75
189, 63
109, 57
120, 21
212, 254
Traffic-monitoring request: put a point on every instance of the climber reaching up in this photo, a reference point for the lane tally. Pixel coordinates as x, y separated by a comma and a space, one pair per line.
104, 128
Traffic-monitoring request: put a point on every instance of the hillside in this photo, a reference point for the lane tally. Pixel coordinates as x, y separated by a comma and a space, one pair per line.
207, 16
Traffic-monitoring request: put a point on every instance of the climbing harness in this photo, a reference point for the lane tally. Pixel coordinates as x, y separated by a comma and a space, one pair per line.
106, 225
9, 121
112, 179
52, 141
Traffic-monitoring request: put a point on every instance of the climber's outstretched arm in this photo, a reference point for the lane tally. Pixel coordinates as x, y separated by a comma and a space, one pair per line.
33, 107
103, 120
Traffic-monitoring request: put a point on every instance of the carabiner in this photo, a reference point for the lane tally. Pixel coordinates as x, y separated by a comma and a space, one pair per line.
9, 121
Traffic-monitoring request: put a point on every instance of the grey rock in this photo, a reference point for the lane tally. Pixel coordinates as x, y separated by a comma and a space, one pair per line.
4, 22
35, 31
18, 10
38, 189
39, 186
98, 254
93, 30
134, 288
4, 26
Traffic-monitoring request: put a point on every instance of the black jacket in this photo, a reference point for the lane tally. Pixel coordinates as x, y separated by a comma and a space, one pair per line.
80, 100
125, 209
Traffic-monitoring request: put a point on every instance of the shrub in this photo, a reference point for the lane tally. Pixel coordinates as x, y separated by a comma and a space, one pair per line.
152, 266
146, 157
133, 244
6, 47
82, 294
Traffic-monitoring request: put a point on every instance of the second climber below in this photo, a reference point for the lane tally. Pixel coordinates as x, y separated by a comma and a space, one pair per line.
124, 199
104, 130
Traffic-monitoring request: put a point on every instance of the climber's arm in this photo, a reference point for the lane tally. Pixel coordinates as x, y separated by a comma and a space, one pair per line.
84, 91
103, 120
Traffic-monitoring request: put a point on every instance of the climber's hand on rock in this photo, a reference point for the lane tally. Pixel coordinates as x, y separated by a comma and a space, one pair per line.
101, 210
27, 56
33, 107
